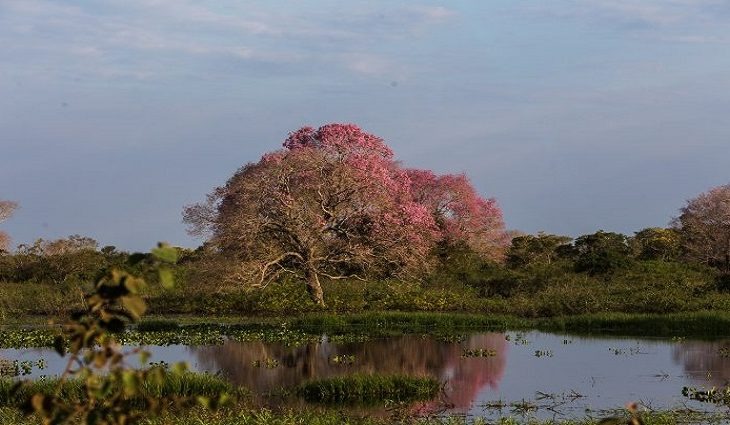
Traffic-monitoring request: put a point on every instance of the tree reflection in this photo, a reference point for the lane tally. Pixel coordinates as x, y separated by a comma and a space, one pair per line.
464, 378
706, 362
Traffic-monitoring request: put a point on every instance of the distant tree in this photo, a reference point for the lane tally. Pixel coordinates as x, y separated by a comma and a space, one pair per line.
601, 252
656, 243
6, 210
704, 226
73, 243
530, 249
71, 259
333, 203
461, 214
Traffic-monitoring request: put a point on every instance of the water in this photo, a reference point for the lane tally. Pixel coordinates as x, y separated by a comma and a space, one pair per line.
558, 376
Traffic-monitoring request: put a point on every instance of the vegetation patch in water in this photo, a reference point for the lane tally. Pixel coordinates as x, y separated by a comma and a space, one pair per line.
479, 352
188, 384
449, 327
369, 389
148, 325
14, 368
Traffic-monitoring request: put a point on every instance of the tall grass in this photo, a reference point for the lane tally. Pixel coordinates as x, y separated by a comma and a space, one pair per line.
700, 323
361, 388
188, 384
400, 322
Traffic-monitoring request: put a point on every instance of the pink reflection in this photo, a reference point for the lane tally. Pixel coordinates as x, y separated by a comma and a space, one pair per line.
464, 378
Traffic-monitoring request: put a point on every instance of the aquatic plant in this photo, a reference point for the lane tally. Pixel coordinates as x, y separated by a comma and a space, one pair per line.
478, 352
361, 388
543, 353
343, 359
266, 363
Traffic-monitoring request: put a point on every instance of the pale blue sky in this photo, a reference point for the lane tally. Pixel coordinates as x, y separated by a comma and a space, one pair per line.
576, 115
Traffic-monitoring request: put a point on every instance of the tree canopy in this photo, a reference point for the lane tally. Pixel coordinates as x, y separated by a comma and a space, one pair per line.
704, 226
6, 210
334, 203
461, 215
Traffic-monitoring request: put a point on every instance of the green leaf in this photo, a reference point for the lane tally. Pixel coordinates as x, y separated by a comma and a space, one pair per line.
179, 368
204, 401
40, 403
131, 382
167, 279
144, 358
135, 305
59, 344
165, 253
115, 325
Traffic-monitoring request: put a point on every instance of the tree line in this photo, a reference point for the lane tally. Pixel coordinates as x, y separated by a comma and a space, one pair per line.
334, 203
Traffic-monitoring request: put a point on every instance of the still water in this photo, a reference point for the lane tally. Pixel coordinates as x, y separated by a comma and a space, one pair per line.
557, 375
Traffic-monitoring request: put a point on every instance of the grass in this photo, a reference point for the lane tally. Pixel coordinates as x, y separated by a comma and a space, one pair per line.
188, 384
246, 416
649, 287
369, 389
150, 325
404, 322
308, 328
697, 324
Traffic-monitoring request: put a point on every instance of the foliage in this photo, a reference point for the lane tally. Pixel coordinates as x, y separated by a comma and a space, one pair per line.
601, 252
704, 226
6, 210
656, 243
542, 248
463, 281
104, 389
334, 203
173, 385
462, 216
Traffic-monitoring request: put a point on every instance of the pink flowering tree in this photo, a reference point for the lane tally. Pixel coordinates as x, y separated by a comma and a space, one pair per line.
461, 215
333, 203
704, 228
6, 210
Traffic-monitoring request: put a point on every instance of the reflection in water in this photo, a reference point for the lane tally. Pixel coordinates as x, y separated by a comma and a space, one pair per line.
605, 372
410, 354
702, 361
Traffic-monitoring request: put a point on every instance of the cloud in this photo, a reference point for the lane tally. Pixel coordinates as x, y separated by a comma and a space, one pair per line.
646, 13
434, 13
137, 37
371, 65
695, 39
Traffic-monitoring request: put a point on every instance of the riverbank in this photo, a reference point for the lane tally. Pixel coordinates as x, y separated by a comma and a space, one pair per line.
198, 330
234, 416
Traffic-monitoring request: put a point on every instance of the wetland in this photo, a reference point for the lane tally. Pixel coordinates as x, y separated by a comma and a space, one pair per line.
468, 373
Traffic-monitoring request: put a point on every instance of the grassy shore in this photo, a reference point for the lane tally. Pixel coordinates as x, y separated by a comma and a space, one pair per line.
237, 416
191, 330
188, 384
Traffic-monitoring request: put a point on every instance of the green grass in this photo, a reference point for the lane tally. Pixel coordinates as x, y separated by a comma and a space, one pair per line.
308, 328
404, 322
187, 384
695, 324
149, 325
368, 389
247, 416
698, 324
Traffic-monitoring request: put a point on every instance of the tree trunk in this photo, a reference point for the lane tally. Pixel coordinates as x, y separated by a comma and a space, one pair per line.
314, 288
